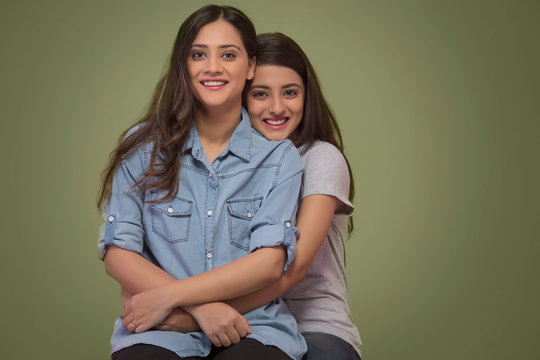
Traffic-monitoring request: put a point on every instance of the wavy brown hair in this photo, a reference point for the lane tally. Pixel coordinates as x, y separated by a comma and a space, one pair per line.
171, 115
318, 121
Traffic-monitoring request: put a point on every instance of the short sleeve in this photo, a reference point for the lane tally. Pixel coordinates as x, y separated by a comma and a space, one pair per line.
326, 173
274, 223
124, 211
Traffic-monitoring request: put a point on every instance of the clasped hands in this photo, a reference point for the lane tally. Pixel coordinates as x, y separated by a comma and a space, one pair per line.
155, 309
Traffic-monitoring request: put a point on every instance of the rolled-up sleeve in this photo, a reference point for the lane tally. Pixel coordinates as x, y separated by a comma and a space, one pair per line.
123, 213
274, 223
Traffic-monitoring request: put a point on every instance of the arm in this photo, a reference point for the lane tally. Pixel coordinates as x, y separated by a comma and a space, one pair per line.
240, 277
223, 324
314, 220
272, 232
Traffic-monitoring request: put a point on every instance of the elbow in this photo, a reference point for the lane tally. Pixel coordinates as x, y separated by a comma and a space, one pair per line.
109, 258
298, 274
275, 271
274, 267
106, 261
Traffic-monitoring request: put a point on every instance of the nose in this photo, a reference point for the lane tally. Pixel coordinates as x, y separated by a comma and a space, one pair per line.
213, 65
277, 107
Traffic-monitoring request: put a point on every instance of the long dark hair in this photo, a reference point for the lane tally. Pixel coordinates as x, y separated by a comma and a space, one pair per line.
318, 121
171, 115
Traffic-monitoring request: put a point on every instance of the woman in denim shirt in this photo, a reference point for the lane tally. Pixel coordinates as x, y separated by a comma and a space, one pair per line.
284, 100
197, 205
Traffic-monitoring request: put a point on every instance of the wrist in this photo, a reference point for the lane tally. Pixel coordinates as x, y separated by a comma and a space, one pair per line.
172, 299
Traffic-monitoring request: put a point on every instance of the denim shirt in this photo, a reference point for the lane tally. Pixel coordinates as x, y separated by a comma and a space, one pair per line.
244, 200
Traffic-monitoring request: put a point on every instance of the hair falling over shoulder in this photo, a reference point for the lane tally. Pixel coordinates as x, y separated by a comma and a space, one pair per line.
318, 122
171, 115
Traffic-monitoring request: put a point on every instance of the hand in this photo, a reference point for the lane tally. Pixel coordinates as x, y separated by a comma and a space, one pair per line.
220, 322
179, 321
147, 309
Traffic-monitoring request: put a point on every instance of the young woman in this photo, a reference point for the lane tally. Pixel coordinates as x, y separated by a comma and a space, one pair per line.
284, 100
196, 203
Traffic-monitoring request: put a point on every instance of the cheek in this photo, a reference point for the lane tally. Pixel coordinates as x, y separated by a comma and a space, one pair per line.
254, 109
298, 109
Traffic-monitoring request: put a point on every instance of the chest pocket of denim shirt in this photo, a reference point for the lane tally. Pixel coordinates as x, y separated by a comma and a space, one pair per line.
240, 213
171, 219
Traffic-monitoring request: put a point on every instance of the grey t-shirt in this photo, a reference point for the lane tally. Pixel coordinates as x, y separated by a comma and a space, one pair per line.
320, 303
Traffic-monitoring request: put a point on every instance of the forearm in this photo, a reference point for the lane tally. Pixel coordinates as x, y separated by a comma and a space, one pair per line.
133, 272
240, 277
314, 219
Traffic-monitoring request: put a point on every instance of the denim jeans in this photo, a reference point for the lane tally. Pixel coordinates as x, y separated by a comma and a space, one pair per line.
323, 346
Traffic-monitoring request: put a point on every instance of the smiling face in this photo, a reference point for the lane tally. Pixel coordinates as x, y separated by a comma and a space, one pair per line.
275, 101
219, 66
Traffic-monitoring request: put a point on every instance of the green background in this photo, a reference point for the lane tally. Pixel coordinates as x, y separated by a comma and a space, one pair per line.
438, 102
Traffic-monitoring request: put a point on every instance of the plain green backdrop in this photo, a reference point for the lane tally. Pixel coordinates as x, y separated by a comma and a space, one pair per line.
438, 102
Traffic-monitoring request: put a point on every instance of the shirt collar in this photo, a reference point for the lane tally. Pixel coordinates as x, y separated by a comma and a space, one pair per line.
239, 145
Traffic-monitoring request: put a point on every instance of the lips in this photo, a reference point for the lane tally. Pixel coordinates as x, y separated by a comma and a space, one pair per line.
276, 123
214, 83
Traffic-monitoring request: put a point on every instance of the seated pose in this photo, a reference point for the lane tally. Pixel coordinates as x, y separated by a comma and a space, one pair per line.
284, 100
197, 204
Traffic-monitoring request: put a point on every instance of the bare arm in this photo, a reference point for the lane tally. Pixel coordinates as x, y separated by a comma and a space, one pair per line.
240, 277
314, 219
135, 275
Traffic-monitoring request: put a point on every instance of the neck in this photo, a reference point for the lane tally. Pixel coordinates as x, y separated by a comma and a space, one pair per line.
215, 128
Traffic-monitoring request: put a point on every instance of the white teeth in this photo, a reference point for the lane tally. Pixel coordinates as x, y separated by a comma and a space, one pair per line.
213, 83
275, 122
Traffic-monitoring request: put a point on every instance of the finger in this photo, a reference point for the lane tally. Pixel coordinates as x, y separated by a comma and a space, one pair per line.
131, 327
224, 339
163, 327
215, 340
233, 335
126, 321
142, 326
242, 327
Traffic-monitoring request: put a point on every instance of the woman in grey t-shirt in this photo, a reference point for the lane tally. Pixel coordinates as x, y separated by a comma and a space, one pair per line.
284, 100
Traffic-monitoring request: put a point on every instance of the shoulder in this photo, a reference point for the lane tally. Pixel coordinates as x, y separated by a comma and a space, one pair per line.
139, 158
326, 173
325, 156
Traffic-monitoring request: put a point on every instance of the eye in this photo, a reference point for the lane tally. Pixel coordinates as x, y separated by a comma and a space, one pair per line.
290, 93
197, 55
259, 94
229, 55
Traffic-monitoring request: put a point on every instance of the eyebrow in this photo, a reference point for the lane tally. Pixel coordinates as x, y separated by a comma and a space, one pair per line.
266, 87
220, 46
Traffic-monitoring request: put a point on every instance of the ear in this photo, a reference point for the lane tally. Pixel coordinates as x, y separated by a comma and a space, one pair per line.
251, 69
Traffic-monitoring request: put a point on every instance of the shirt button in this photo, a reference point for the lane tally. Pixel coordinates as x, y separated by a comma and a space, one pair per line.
211, 175
209, 213
248, 214
111, 218
288, 224
170, 210
209, 255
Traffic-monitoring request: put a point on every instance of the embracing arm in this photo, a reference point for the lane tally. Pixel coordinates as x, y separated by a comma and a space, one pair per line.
240, 277
314, 219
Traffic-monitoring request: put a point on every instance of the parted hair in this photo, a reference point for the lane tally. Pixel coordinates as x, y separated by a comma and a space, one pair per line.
171, 114
318, 121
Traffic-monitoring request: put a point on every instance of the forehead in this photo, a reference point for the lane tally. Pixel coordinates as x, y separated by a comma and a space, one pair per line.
218, 33
275, 75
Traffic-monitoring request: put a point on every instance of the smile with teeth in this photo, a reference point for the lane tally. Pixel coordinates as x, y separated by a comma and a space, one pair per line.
276, 122
213, 83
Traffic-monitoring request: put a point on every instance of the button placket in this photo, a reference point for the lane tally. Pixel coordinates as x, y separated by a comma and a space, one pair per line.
211, 194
